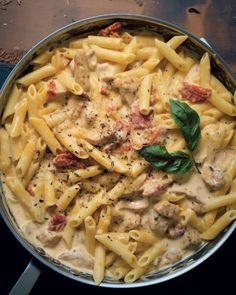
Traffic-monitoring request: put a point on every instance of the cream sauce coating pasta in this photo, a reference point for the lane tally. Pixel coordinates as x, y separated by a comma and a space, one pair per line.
96, 102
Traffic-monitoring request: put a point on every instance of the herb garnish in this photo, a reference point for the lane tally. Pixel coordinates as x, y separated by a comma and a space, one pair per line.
159, 158
178, 162
188, 121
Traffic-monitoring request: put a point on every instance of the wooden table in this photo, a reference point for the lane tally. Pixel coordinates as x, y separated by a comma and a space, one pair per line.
22, 26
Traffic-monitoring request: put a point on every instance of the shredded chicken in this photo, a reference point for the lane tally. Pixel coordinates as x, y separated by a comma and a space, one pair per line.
213, 176
193, 75
49, 238
91, 59
214, 135
167, 209
78, 257
81, 70
136, 205
215, 170
130, 220
191, 238
127, 88
90, 112
176, 231
151, 220
149, 136
171, 256
153, 187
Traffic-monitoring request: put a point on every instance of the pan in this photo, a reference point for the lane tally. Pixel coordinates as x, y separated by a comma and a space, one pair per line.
83, 28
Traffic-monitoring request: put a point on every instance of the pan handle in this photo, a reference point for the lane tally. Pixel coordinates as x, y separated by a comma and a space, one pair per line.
27, 280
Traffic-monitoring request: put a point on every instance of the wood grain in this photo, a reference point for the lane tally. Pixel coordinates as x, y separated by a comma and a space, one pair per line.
11, 56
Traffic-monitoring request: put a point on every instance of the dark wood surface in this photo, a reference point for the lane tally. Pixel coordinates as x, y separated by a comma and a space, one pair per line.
11, 56
24, 25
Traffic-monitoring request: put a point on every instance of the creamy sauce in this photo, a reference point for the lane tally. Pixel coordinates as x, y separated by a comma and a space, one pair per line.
76, 257
103, 121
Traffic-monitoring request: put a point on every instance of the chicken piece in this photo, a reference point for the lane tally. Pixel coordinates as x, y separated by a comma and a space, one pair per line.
81, 70
130, 220
193, 75
122, 128
49, 238
127, 87
176, 231
74, 107
213, 176
78, 256
191, 238
136, 205
214, 139
91, 59
193, 187
90, 112
105, 72
29, 228
151, 220
195, 93
195, 206
100, 136
216, 169
153, 187
167, 209
150, 136
170, 257
138, 120
110, 134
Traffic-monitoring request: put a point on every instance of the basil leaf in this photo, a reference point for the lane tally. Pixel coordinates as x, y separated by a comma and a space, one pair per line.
188, 121
159, 158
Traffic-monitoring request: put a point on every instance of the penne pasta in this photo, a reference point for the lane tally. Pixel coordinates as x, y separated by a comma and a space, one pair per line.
117, 152
85, 208
150, 254
117, 247
112, 55
14, 97
67, 197
19, 117
90, 231
37, 75
219, 225
47, 135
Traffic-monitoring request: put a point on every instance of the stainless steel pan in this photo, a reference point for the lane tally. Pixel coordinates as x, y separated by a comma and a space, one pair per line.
83, 28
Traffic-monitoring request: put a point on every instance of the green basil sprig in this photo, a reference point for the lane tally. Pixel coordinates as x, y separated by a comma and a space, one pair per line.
188, 121
159, 158
178, 162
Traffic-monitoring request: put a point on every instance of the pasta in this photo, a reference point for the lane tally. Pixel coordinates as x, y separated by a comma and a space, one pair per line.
119, 149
